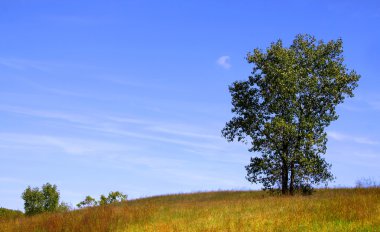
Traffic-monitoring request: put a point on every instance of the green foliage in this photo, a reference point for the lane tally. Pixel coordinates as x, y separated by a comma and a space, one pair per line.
87, 202
38, 201
103, 200
51, 197
113, 197
33, 201
283, 108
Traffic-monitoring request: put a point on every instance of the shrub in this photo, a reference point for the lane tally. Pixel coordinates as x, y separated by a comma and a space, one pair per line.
113, 197
87, 202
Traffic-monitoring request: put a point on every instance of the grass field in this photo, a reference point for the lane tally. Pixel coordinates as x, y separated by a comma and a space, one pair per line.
326, 210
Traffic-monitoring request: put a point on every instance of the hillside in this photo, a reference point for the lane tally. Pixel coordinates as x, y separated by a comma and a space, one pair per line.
325, 210
9, 213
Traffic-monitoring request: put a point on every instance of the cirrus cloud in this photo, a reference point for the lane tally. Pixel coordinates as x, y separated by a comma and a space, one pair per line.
224, 62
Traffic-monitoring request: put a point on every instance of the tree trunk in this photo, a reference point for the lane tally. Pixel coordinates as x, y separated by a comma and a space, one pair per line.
291, 187
284, 179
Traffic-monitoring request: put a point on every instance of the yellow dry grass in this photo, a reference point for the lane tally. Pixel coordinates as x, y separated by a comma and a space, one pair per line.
325, 210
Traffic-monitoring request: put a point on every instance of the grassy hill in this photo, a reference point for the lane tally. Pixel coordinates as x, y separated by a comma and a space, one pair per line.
6, 214
326, 210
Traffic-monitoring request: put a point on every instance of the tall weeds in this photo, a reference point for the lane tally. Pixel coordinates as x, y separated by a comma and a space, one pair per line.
326, 210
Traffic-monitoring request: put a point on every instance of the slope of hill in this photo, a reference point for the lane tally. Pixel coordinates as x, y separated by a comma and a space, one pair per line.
325, 210
9, 213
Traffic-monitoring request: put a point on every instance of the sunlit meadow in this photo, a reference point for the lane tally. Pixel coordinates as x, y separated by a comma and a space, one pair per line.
355, 209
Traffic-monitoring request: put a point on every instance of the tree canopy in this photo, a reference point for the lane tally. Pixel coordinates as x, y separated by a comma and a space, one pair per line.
284, 107
38, 201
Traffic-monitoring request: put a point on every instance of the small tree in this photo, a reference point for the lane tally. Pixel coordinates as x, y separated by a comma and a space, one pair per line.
283, 108
33, 201
51, 197
87, 202
114, 197
38, 201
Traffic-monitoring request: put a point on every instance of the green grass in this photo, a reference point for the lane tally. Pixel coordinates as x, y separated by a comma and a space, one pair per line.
325, 210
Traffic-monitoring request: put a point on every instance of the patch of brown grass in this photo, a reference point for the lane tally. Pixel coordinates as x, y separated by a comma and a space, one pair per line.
325, 210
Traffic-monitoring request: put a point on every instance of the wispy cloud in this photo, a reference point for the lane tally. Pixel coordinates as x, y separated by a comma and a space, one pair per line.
43, 65
374, 103
157, 137
46, 114
23, 64
73, 19
349, 138
210, 178
10, 180
78, 20
126, 153
350, 9
224, 62
127, 120
167, 128
181, 131
189, 137
73, 146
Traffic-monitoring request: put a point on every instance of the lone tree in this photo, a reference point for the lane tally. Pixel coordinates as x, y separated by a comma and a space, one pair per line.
283, 108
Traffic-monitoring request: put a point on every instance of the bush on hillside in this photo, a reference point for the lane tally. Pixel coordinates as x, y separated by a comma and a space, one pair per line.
87, 202
113, 197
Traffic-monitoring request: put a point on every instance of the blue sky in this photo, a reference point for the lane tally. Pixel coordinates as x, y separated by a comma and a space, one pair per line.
97, 96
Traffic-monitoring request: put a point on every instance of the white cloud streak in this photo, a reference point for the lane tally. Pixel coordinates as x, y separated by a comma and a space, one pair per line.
181, 130
23, 64
224, 62
126, 154
73, 146
187, 136
349, 138
156, 137
10, 180
45, 114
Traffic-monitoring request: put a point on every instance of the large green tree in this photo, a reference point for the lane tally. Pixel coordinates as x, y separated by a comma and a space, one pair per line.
284, 107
